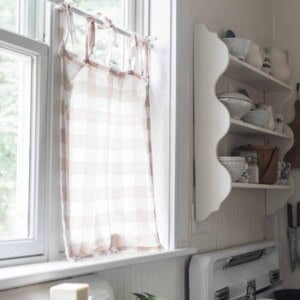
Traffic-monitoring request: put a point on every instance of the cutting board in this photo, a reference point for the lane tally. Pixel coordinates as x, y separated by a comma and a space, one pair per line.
293, 156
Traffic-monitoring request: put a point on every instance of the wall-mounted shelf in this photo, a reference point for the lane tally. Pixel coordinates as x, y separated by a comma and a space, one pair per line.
243, 128
251, 76
213, 123
237, 185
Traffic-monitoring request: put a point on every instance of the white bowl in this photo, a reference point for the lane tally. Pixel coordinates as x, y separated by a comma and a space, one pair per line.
235, 173
236, 107
259, 118
235, 165
238, 47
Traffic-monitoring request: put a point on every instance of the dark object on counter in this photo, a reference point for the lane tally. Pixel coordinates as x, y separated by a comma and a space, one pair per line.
298, 214
290, 215
293, 156
287, 295
292, 237
267, 160
230, 34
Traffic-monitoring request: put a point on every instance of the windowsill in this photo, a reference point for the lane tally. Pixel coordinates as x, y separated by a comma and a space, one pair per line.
13, 277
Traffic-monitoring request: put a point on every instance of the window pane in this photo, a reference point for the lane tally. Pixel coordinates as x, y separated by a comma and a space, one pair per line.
114, 10
15, 107
8, 14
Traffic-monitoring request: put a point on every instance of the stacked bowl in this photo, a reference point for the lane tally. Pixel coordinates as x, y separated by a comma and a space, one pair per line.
237, 104
238, 47
236, 165
257, 117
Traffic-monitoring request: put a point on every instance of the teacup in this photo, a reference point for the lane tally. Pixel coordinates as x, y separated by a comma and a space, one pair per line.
283, 172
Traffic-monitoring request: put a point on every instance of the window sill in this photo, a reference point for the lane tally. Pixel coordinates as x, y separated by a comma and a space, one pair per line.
13, 277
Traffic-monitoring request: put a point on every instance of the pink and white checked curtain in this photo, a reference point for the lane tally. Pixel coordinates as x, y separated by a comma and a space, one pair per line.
106, 166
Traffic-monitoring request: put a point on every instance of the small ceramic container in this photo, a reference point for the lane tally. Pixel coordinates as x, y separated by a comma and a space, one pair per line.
270, 110
280, 66
279, 122
255, 56
267, 64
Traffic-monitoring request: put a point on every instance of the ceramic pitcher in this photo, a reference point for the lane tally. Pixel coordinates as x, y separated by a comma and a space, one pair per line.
279, 60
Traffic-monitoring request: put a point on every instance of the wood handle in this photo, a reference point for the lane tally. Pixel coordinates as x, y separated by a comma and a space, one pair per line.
290, 215
298, 214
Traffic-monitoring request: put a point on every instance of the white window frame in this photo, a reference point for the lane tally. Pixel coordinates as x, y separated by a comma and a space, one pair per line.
53, 245
137, 15
31, 16
10, 250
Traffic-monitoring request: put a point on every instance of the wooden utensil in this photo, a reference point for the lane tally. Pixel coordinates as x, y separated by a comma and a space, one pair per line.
293, 156
298, 214
290, 215
292, 237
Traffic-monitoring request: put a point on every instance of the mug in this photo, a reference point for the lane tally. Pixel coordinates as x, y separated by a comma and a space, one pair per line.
283, 172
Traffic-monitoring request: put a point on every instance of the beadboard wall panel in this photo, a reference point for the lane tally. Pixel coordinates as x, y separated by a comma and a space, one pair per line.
241, 220
160, 278
165, 278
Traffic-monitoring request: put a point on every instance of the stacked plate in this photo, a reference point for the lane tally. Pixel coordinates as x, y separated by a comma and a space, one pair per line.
259, 118
236, 165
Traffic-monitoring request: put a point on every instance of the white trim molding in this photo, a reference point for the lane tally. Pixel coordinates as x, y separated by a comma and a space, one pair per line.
14, 277
39, 53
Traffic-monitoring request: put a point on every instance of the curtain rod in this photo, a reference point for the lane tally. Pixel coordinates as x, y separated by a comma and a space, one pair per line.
100, 22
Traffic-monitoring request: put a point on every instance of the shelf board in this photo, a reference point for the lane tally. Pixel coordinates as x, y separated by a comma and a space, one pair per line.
254, 77
238, 185
243, 128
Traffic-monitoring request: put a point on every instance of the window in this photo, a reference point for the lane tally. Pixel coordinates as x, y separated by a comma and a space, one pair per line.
123, 13
8, 15
15, 144
23, 16
114, 9
23, 71
24, 114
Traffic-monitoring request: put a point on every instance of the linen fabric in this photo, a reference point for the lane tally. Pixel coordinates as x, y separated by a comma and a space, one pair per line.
106, 164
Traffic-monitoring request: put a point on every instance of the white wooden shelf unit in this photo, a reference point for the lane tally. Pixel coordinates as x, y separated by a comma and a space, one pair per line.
212, 123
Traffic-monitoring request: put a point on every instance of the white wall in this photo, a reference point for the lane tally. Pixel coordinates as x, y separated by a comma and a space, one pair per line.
248, 18
287, 36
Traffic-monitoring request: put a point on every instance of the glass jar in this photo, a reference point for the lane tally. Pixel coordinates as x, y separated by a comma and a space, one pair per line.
252, 170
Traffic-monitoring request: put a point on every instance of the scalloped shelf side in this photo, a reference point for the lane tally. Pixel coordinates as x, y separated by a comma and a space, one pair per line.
212, 122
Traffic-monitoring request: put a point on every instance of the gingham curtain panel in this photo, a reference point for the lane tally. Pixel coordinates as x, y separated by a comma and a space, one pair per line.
106, 166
